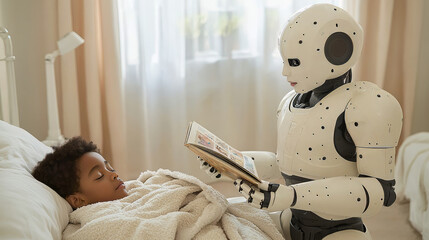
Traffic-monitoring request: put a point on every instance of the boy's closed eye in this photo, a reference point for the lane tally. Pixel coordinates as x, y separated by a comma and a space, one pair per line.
97, 168
100, 177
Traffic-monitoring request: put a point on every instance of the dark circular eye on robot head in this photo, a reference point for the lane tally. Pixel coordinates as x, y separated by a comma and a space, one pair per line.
293, 62
338, 48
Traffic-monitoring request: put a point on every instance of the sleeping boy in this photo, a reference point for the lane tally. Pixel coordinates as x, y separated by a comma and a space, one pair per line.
78, 173
158, 205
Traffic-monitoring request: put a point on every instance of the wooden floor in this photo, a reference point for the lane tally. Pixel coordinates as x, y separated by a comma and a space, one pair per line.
391, 223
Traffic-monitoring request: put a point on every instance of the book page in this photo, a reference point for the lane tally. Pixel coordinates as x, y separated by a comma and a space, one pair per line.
200, 137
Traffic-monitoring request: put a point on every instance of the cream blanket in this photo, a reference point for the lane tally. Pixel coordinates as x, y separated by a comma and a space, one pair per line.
412, 179
170, 205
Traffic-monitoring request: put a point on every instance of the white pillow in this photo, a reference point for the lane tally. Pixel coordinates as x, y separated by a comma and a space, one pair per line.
28, 208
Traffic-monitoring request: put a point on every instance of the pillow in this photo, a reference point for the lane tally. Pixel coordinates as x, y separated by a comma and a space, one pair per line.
28, 208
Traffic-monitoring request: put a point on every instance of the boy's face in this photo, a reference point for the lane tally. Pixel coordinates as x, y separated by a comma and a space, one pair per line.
98, 182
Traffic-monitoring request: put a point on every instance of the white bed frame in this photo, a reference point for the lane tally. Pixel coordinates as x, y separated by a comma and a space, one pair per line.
8, 97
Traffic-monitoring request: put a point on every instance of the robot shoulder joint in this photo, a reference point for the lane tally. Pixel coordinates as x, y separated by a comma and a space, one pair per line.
374, 118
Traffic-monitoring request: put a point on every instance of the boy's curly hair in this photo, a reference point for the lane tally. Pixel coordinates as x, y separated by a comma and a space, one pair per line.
58, 169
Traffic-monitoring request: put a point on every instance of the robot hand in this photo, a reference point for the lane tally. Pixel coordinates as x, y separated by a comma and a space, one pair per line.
271, 196
213, 172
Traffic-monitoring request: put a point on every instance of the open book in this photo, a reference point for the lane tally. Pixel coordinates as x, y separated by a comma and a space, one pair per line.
220, 155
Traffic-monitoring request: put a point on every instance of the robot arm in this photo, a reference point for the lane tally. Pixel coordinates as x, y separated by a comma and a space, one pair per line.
375, 141
332, 198
265, 163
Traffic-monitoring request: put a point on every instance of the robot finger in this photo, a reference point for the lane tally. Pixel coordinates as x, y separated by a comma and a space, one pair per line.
239, 185
243, 187
245, 195
247, 189
212, 172
203, 164
206, 166
258, 198
255, 198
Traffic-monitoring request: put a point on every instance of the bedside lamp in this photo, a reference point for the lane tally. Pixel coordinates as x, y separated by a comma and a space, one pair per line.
66, 44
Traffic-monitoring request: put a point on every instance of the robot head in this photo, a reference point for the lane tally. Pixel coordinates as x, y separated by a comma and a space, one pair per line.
319, 43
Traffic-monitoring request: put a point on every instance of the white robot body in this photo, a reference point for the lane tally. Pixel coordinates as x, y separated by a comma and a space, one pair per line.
306, 149
302, 146
336, 139
305, 145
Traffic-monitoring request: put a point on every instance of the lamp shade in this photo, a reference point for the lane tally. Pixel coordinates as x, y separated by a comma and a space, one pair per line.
69, 42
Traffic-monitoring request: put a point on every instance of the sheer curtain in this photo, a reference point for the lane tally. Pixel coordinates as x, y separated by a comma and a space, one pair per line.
90, 90
211, 61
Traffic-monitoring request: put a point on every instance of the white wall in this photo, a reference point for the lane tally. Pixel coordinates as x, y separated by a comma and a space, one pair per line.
33, 28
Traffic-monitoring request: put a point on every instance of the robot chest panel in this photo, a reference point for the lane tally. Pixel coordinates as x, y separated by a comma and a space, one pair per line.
305, 145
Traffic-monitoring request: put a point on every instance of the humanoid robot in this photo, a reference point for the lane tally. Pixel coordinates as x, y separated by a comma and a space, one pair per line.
336, 138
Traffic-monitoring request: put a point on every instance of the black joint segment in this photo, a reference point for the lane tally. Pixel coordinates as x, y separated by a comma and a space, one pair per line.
205, 164
272, 187
391, 199
294, 197
240, 189
250, 199
362, 176
218, 176
252, 191
389, 191
212, 169
266, 202
235, 183
367, 199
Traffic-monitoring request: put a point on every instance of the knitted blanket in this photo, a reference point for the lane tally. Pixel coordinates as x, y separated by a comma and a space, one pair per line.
170, 205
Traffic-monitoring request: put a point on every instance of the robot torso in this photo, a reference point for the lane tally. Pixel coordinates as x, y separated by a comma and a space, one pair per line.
307, 143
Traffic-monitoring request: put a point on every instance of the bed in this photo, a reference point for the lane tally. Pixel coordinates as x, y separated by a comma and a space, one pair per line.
8, 98
28, 208
31, 210
412, 176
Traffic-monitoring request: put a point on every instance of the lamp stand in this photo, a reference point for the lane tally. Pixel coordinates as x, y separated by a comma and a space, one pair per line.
54, 133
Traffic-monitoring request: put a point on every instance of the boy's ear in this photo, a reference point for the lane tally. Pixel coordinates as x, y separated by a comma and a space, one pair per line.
76, 200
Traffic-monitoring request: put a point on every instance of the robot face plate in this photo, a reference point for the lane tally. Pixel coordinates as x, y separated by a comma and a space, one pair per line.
319, 43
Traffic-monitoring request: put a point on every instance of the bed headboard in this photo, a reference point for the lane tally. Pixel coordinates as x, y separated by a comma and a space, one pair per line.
8, 97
